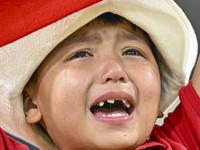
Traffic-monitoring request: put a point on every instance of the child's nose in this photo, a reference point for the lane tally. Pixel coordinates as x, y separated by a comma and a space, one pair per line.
113, 71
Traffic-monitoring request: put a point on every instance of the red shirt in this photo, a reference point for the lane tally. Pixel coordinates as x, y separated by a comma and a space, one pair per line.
181, 130
7, 143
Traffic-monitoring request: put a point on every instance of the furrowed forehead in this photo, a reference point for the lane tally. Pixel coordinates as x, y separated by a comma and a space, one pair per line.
114, 19
96, 38
106, 19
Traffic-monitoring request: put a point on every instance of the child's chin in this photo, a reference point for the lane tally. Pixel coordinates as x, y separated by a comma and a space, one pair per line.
115, 144
114, 147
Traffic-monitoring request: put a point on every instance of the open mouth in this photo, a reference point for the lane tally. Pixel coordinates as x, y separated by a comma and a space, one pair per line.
112, 108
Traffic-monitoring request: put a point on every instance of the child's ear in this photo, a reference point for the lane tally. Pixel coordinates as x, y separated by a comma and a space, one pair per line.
31, 109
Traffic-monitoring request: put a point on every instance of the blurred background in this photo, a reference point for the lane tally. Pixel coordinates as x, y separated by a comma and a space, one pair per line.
192, 11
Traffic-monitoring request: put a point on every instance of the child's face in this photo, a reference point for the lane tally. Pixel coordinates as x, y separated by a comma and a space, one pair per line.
95, 64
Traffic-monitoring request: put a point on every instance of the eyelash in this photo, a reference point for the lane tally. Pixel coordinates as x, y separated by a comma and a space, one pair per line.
130, 51
79, 54
133, 51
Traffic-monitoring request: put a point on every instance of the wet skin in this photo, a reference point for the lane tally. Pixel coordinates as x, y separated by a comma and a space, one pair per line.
94, 64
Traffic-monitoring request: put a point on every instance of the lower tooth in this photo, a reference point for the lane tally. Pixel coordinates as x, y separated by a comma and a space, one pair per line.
114, 115
118, 114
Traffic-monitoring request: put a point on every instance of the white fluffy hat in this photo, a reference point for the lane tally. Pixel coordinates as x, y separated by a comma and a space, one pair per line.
31, 29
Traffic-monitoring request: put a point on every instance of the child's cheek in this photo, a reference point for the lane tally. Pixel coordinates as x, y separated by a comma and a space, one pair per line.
151, 82
149, 87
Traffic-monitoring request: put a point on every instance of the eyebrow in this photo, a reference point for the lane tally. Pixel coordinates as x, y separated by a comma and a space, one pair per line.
124, 36
96, 38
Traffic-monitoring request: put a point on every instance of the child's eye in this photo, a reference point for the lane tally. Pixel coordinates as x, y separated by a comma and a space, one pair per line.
79, 54
132, 51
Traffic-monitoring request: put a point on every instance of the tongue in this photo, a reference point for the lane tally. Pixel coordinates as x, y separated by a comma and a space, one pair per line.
103, 112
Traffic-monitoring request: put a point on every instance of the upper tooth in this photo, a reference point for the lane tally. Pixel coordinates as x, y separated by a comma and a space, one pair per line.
128, 105
112, 101
100, 104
